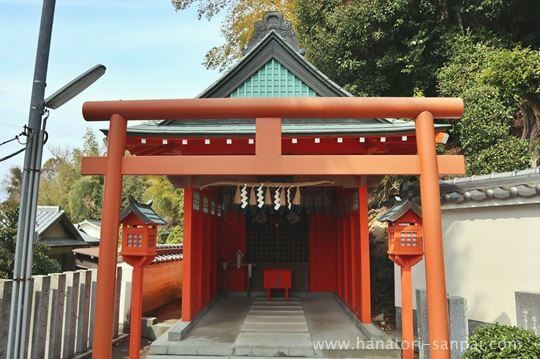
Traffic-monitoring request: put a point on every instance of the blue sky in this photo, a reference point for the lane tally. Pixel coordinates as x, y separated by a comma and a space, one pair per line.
150, 50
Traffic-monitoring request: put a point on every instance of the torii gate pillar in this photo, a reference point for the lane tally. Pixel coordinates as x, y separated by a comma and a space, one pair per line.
433, 244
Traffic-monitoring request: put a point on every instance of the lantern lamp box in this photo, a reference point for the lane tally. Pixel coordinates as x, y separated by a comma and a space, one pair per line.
139, 229
405, 236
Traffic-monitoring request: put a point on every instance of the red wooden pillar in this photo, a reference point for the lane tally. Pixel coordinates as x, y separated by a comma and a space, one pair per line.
215, 231
203, 274
347, 255
355, 260
200, 254
106, 275
206, 251
365, 270
187, 262
407, 336
136, 311
433, 245
339, 255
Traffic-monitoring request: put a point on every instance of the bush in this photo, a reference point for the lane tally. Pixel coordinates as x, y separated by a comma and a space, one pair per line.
501, 341
493, 82
171, 234
42, 263
509, 154
485, 120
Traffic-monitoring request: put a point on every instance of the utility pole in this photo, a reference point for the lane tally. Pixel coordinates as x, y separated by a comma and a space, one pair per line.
22, 271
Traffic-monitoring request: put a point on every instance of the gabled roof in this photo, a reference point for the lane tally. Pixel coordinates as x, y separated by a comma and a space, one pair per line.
399, 209
143, 211
48, 216
94, 222
272, 46
91, 240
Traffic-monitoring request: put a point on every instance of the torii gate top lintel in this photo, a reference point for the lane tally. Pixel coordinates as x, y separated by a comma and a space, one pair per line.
319, 107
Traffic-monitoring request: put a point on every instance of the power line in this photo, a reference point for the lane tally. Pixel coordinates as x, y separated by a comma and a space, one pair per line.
12, 154
14, 138
17, 138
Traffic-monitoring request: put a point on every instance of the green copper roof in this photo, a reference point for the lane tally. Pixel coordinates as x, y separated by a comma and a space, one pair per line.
273, 80
289, 127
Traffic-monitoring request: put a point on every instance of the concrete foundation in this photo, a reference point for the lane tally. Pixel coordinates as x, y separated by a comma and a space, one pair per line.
313, 326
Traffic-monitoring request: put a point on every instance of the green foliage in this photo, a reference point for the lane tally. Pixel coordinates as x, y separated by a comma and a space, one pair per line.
515, 72
42, 263
485, 120
372, 48
493, 83
135, 186
167, 201
238, 25
171, 234
500, 341
508, 154
63, 185
391, 48
84, 200
12, 184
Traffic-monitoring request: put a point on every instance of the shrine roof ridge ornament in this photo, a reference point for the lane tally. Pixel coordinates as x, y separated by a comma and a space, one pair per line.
299, 107
274, 21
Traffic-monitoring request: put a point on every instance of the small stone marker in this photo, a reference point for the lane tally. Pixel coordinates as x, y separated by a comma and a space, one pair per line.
528, 310
458, 320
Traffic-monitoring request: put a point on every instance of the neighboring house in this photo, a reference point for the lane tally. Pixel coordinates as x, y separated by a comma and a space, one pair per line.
491, 227
56, 230
86, 258
90, 230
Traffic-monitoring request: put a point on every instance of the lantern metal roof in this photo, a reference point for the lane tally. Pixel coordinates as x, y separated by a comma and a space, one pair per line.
143, 211
399, 209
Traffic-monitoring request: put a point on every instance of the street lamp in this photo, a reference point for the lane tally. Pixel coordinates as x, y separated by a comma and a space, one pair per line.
74, 87
22, 270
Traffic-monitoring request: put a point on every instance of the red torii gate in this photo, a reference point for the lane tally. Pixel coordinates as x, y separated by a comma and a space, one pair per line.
268, 160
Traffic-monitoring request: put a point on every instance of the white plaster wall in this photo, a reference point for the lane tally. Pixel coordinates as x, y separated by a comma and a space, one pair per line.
490, 252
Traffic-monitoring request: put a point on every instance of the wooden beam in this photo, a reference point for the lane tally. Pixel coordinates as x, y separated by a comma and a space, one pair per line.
268, 136
314, 107
274, 165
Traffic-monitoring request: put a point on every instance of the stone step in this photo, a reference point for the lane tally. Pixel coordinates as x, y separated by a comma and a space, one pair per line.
277, 300
273, 344
276, 305
281, 312
379, 355
259, 320
276, 327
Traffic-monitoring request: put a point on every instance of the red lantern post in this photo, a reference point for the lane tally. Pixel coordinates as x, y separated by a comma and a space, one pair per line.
139, 236
405, 248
